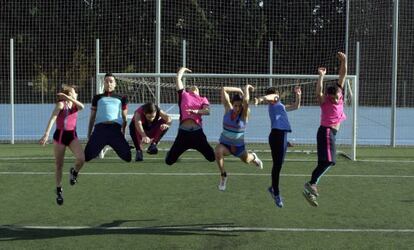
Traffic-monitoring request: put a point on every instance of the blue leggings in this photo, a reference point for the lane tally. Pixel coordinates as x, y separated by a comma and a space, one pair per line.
107, 134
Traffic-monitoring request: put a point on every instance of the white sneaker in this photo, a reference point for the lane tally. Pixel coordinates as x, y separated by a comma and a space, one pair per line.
222, 184
257, 161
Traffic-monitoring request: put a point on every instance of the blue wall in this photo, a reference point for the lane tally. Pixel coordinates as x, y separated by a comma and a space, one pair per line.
373, 124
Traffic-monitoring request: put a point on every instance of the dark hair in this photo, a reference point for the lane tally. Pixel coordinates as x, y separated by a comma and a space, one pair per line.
109, 75
236, 98
272, 90
332, 90
149, 108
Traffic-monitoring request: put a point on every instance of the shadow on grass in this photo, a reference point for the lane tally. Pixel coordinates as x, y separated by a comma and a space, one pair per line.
15, 232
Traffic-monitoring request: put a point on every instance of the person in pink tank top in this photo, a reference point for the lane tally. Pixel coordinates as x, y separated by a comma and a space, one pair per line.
190, 132
65, 115
331, 100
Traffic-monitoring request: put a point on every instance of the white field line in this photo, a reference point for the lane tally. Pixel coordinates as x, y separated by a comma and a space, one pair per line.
198, 159
211, 174
212, 229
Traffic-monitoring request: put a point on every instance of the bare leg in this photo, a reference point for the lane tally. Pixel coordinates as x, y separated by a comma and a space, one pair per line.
59, 151
77, 151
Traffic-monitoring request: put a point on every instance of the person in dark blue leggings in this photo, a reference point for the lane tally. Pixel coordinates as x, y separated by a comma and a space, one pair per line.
278, 135
108, 120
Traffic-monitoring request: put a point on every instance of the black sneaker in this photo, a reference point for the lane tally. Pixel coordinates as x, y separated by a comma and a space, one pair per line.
152, 149
59, 198
73, 176
138, 155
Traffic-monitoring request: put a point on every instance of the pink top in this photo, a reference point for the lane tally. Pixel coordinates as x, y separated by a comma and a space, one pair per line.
332, 113
66, 119
189, 100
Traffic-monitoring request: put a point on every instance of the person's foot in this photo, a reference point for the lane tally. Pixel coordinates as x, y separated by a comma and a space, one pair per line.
152, 149
223, 182
59, 197
311, 188
73, 175
310, 198
138, 155
278, 198
257, 161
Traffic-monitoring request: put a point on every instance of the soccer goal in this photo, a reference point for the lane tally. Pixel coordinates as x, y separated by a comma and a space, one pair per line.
160, 88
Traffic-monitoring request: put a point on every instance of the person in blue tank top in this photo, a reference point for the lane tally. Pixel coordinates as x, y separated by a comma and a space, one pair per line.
278, 135
236, 114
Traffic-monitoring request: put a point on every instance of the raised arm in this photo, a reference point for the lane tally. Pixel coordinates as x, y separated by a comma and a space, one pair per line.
65, 97
343, 68
296, 104
246, 99
266, 99
45, 137
225, 98
179, 81
319, 86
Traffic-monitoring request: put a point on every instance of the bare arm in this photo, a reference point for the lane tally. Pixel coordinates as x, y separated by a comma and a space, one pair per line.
266, 99
343, 68
225, 98
167, 119
246, 99
296, 104
140, 128
91, 122
65, 97
319, 86
179, 81
58, 108
124, 120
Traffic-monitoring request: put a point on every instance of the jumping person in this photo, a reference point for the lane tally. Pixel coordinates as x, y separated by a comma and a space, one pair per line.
332, 114
65, 114
108, 120
190, 132
148, 126
236, 115
278, 135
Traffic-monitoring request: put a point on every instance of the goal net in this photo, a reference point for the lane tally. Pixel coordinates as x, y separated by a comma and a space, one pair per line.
142, 88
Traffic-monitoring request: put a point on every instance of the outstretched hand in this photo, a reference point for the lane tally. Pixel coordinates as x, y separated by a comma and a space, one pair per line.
321, 71
250, 87
341, 56
182, 70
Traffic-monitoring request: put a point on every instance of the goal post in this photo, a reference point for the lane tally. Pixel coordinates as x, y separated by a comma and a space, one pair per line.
141, 88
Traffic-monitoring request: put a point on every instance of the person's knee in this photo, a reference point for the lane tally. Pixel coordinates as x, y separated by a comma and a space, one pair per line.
211, 157
168, 160
127, 156
218, 154
80, 160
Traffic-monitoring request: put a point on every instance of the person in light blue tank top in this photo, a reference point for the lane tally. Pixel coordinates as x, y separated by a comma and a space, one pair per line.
278, 135
236, 115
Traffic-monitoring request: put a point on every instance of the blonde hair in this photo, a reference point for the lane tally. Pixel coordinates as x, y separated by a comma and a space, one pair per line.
66, 89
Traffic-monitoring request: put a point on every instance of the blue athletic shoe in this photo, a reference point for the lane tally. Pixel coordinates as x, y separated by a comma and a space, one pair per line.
278, 198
